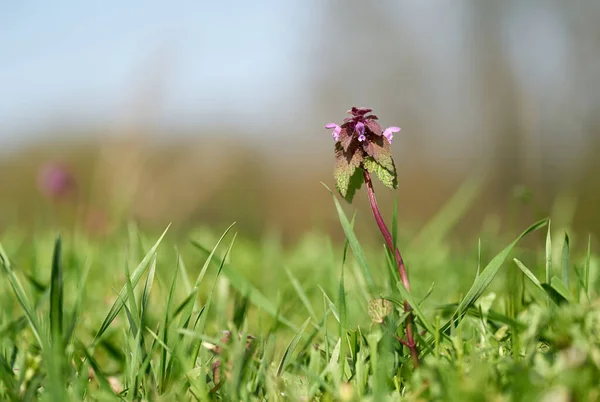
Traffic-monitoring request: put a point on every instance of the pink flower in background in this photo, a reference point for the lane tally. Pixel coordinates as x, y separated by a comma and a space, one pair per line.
56, 181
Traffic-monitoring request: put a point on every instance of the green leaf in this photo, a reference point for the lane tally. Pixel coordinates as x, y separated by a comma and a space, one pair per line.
388, 178
490, 271
355, 246
553, 294
301, 293
485, 278
586, 276
548, 253
565, 260
415, 307
123, 295
56, 295
528, 273
21, 296
379, 149
557, 284
348, 175
239, 282
287, 355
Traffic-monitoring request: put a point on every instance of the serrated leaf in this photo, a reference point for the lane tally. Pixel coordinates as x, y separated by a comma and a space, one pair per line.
379, 149
374, 127
389, 179
346, 139
348, 176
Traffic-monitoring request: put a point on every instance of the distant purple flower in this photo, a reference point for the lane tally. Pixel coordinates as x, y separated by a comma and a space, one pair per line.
336, 130
55, 181
388, 133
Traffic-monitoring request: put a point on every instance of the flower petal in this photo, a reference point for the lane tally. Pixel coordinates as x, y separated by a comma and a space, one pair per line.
388, 133
362, 137
336, 130
360, 129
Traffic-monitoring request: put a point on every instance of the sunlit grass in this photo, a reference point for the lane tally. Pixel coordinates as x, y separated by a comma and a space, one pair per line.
139, 317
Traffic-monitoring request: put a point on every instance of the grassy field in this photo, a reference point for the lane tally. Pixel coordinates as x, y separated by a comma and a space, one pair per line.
143, 316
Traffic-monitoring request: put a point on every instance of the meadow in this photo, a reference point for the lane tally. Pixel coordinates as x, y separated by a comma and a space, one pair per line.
210, 315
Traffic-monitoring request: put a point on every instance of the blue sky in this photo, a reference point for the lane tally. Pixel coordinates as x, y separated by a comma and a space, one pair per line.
225, 56
250, 62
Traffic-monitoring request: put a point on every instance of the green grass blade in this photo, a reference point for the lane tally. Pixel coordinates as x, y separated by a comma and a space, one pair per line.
561, 288
202, 322
566, 256
162, 368
77, 306
331, 305
394, 223
21, 296
549, 253
240, 283
415, 307
490, 271
210, 255
478, 258
528, 274
56, 295
301, 294
588, 260
354, 244
135, 277
287, 355
343, 310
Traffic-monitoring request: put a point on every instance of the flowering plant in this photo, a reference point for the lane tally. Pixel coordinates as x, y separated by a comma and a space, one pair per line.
362, 147
361, 144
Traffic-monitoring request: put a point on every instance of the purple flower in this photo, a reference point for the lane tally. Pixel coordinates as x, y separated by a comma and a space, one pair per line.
55, 181
336, 130
360, 130
362, 125
388, 133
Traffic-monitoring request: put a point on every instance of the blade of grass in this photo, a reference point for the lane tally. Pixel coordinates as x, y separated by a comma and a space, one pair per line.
354, 244
587, 265
77, 305
162, 368
330, 304
528, 274
135, 277
343, 327
485, 278
21, 296
490, 271
301, 294
56, 295
287, 355
565, 261
549, 253
416, 307
557, 284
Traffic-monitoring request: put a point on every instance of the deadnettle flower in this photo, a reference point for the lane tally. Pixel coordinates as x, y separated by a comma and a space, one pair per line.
56, 181
336, 130
361, 143
362, 123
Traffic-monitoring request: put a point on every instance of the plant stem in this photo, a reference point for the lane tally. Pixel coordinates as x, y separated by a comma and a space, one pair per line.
410, 343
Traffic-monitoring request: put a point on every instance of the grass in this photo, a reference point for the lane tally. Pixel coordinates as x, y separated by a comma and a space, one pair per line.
145, 317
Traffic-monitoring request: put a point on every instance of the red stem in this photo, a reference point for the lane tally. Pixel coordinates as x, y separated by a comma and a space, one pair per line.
410, 343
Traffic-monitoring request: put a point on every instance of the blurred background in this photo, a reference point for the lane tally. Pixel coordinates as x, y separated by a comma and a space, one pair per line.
204, 113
